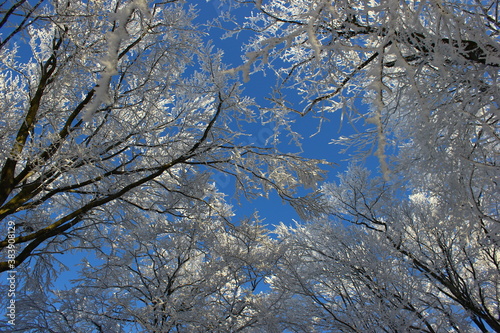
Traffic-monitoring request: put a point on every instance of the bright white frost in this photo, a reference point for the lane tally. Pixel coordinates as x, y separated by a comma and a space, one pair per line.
110, 61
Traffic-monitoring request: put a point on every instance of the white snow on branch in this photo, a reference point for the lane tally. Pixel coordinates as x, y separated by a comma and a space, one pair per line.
110, 60
380, 152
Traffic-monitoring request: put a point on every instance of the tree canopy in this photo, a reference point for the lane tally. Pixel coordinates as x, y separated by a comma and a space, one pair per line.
117, 115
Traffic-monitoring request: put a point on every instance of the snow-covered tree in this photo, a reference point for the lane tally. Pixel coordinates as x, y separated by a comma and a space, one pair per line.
115, 114
110, 104
434, 61
386, 262
114, 117
189, 274
419, 80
